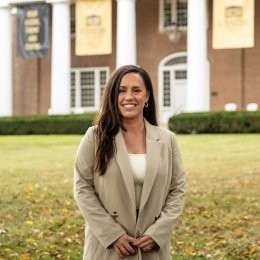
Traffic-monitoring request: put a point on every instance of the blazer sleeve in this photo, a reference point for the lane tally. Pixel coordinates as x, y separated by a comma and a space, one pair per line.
161, 230
97, 218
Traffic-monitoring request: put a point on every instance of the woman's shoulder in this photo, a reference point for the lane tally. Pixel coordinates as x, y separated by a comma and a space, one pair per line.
162, 132
91, 129
90, 133
165, 133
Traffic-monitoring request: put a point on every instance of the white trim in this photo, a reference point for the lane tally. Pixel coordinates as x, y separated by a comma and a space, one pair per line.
57, 1
4, 4
21, 2
161, 16
172, 56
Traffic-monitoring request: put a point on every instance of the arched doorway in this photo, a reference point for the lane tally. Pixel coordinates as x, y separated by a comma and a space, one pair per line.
172, 85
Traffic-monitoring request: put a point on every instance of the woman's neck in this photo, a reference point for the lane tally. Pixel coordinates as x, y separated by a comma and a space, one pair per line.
134, 136
134, 125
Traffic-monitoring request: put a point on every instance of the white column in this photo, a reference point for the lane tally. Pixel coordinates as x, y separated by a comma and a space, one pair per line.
6, 93
126, 33
198, 72
60, 63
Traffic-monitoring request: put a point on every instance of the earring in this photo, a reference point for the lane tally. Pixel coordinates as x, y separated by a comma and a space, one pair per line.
146, 104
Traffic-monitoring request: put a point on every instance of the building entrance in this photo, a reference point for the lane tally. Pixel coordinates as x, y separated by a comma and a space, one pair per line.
172, 86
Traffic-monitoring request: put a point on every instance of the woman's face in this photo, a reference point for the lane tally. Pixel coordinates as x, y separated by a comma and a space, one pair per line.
132, 96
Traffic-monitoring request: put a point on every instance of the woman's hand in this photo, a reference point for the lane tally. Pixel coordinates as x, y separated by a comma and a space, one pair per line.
146, 243
123, 246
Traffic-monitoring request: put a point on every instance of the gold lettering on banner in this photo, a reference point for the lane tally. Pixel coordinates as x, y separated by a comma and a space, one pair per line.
33, 46
234, 19
32, 22
32, 25
32, 13
32, 30
93, 20
33, 38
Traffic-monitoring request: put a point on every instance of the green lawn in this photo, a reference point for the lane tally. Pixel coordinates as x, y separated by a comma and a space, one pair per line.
39, 218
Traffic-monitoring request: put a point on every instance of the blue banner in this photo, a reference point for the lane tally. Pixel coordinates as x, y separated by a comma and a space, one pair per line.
32, 30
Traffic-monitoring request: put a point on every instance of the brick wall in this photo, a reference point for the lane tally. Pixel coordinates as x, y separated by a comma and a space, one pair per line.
229, 78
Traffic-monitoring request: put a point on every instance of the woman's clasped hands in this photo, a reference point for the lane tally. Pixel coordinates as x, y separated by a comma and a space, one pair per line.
127, 245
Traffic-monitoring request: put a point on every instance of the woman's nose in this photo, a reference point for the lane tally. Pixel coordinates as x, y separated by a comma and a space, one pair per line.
129, 95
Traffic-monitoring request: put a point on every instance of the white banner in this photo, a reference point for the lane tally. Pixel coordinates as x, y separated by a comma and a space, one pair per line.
233, 24
93, 27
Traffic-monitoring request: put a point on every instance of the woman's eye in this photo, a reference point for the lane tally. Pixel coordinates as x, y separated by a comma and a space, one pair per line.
121, 90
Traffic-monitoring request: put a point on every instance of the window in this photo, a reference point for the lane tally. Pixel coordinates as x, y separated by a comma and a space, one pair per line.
87, 87
166, 89
180, 74
72, 91
173, 13
72, 19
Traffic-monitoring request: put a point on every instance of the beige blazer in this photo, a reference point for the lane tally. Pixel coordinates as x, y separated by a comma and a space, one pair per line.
107, 202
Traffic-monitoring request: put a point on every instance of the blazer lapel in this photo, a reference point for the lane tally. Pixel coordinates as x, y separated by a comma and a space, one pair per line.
124, 165
153, 149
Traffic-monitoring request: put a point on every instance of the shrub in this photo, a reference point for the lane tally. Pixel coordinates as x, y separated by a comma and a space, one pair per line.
216, 122
44, 124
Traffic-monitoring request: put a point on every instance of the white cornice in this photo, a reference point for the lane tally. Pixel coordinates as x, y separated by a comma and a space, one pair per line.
22, 2
57, 1
14, 2
7, 3
4, 3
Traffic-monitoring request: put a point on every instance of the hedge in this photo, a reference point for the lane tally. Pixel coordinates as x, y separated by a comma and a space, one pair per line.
216, 122
187, 123
44, 124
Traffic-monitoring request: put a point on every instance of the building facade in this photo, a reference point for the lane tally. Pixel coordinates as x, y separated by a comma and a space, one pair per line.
171, 39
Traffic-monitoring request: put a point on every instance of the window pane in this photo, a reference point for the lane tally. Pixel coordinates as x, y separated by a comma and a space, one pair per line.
72, 90
167, 8
180, 10
102, 78
87, 80
182, 13
72, 19
177, 60
166, 89
180, 74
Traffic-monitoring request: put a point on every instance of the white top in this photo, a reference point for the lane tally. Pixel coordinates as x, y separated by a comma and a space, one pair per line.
138, 163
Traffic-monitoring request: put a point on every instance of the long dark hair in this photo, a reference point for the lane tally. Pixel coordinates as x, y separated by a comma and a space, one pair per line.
109, 120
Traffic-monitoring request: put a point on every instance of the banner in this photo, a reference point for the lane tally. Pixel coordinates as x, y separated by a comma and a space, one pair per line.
93, 27
32, 31
233, 24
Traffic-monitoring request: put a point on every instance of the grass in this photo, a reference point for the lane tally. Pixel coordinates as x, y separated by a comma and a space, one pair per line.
39, 218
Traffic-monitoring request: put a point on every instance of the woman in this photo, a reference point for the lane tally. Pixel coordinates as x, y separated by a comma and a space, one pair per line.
128, 178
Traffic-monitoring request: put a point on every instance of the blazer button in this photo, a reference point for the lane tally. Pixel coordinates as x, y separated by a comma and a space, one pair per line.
114, 214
